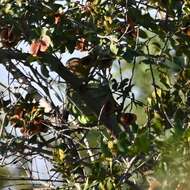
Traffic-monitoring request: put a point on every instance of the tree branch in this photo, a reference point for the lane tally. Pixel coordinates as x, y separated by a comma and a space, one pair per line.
56, 65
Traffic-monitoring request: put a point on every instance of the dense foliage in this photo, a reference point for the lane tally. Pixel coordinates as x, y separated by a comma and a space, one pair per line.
115, 118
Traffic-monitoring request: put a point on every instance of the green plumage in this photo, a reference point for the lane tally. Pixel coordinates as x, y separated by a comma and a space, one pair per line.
100, 94
79, 109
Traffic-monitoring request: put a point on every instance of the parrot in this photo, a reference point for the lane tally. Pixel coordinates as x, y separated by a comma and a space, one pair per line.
98, 91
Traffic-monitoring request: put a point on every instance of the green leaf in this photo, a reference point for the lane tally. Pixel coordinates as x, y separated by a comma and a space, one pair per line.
114, 84
122, 143
109, 184
113, 47
86, 185
143, 34
164, 79
87, 119
96, 2
71, 44
182, 96
104, 148
142, 142
33, 58
130, 54
157, 124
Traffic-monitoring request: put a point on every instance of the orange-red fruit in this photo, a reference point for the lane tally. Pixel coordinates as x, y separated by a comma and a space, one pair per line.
40, 45
34, 127
57, 19
81, 44
131, 30
35, 47
44, 43
8, 37
127, 118
187, 31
